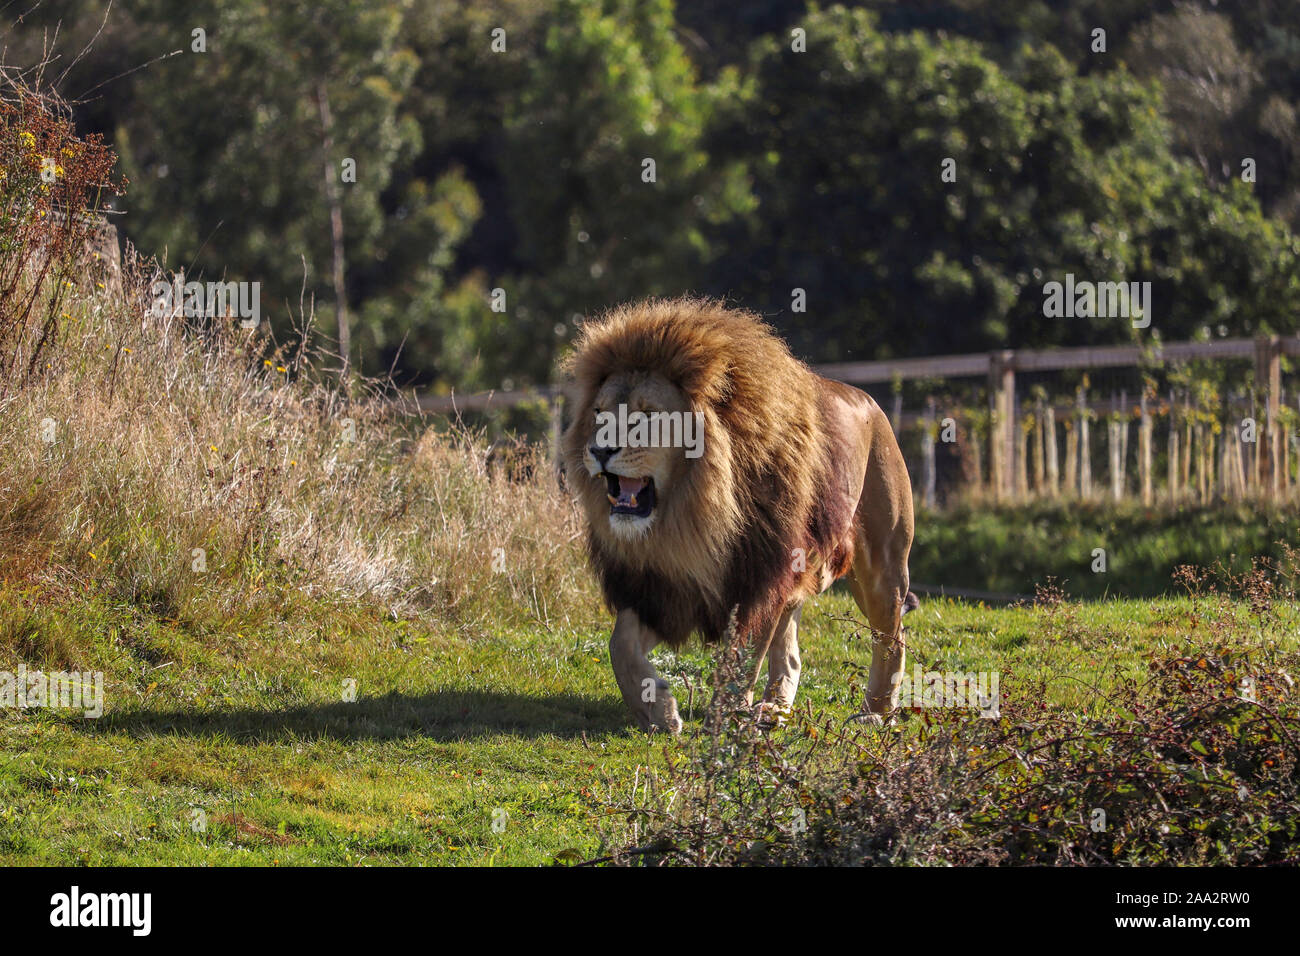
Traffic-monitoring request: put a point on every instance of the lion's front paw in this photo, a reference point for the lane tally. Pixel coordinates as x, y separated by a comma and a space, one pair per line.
661, 713
665, 717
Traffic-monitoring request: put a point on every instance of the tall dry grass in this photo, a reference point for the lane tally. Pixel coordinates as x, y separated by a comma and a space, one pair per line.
201, 471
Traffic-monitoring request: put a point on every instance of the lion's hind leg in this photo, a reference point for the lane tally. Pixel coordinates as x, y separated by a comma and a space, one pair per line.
880, 589
783, 664
780, 649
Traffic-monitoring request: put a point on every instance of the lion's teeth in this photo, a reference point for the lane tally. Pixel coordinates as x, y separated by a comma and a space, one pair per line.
612, 499
634, 501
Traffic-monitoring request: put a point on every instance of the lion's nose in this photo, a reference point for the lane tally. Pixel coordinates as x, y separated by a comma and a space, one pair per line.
603, 455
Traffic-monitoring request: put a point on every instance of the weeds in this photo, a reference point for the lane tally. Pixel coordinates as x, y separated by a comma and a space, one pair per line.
52, 187
198, 469
1196, 762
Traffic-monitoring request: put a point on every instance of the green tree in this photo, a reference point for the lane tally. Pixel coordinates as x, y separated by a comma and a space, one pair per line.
611, 92
229, 148
1052, 173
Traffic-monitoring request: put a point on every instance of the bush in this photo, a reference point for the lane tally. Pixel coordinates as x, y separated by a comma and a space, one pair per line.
1014, 548
1195, 763
52, 184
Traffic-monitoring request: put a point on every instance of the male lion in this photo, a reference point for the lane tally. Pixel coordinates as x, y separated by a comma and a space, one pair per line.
798, 482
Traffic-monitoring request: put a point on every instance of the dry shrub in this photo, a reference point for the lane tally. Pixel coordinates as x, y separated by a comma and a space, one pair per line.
1196, 763
52, 188
200, 471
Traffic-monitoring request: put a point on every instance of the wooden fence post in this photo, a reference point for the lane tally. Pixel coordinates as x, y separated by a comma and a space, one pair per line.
1022, 457
1071, 456
1002, 435
1239, 462
1053, 467
1084, 447
1202, 479
1040, 449
1254, 461
927, 455
1284, 445
1118, 450
1123, 441
1293, 450
1113, 452
1144, 449
1268, 376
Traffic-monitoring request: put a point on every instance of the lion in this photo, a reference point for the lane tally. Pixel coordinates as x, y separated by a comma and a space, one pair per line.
746, 485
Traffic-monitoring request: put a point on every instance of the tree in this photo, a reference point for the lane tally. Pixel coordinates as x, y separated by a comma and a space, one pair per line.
610, 188
922, 198
236, 145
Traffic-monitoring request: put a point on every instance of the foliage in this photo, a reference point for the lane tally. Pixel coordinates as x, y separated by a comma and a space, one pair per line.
52, 186
1013, 548
1055, 173
518, 167
1197, 762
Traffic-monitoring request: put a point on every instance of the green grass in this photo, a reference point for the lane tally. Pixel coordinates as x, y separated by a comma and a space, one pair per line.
345, 543
246, 723
1010, 548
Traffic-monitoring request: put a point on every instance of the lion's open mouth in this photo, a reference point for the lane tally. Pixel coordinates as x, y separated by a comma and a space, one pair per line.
630, 496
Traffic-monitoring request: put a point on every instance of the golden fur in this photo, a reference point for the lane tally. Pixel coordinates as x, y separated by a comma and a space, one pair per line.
800, 479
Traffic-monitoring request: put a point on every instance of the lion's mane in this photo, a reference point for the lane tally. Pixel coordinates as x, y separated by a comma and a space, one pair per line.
767, 483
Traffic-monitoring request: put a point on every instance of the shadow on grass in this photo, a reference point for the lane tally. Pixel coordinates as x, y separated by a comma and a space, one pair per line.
440, 715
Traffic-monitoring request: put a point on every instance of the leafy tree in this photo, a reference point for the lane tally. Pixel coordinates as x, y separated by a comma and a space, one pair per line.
611, 92
229, 146
519, 167
1056, 173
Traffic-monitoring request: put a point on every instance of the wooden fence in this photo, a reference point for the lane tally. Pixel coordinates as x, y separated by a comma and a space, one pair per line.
1221, 448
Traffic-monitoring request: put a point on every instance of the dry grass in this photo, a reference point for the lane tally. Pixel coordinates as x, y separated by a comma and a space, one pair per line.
196, 469
1191, 760
145, 447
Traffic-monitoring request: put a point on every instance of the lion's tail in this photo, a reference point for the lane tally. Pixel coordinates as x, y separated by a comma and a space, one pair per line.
911, 602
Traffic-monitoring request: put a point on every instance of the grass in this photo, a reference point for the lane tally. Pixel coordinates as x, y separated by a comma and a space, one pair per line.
1012, 548
331, 635
246, 724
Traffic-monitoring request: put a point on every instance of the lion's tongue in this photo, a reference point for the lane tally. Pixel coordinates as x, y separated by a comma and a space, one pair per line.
628, 489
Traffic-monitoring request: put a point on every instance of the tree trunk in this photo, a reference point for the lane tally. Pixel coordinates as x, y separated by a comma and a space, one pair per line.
333, 195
